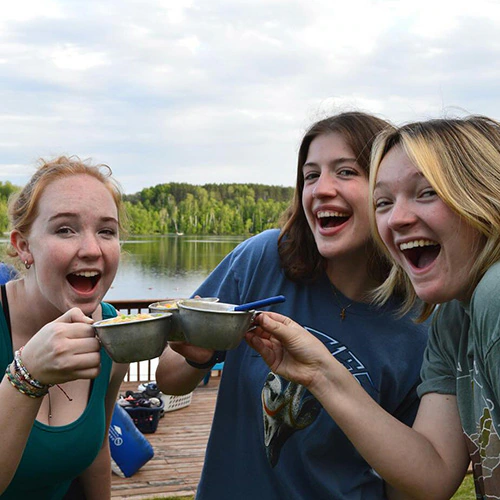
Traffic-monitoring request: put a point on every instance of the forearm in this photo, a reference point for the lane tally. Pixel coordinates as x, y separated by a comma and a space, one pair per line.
175, 376
407, 459
17, 414
96, 479
426, 461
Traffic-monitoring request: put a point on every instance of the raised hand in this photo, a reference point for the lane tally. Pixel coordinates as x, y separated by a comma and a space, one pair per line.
288, 349
63, 350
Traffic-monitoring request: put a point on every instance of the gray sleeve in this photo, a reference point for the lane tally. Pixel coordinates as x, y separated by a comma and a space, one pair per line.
439, 368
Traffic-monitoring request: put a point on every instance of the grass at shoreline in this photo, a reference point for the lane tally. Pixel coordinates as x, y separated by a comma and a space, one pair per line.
466, 490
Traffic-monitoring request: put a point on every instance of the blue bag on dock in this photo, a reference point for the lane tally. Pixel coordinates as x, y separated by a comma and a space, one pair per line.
130, 450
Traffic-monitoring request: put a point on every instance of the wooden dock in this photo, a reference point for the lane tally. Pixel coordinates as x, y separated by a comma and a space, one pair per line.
179, 444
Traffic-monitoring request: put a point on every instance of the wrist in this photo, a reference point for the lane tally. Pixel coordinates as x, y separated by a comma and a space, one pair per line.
217, 356
329, 378
21, 379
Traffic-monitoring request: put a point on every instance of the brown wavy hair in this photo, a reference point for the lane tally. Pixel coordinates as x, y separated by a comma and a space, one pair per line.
296, 245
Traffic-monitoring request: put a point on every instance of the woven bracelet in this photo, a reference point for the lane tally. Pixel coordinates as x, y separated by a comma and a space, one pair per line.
20, 367
22, 386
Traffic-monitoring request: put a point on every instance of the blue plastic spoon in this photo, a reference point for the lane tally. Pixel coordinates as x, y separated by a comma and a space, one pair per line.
260, 303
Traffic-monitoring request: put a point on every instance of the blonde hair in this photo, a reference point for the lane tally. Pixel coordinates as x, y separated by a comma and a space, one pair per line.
23, 205
460, 158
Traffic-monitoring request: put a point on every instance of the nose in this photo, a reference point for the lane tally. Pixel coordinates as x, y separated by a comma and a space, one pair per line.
324, 186
401, 215
90, 247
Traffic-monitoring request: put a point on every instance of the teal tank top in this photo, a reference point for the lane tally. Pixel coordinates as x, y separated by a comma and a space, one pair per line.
54, 456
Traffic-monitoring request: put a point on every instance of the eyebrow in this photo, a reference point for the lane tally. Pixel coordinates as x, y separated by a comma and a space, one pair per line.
73, 215
334, 162
415, 174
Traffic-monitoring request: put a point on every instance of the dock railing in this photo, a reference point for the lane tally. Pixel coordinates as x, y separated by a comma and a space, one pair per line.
142, 371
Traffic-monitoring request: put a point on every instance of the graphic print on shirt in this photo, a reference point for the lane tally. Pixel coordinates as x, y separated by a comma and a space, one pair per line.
288, 407
483, 441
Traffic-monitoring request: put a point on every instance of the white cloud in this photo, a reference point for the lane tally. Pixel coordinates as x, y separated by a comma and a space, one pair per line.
221, 91
26, 10
73, 58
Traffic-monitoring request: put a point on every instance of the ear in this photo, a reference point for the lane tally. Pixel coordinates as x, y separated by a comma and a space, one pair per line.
22, 246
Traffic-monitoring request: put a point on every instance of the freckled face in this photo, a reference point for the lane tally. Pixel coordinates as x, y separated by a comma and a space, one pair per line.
74, 244
432, 243
335, 199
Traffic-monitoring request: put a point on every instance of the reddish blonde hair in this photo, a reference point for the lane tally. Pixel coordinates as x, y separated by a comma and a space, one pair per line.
23, 205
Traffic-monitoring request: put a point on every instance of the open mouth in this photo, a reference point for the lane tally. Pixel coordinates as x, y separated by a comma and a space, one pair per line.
420, 253
330, 218
84, 281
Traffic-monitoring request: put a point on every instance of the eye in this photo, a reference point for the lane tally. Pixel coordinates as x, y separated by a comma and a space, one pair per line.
64, 230
381, 203
347, 172
428, 193
108, 232
311, 175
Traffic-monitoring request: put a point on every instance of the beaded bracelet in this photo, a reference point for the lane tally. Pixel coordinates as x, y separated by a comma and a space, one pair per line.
21, 379
20, 367
22, 385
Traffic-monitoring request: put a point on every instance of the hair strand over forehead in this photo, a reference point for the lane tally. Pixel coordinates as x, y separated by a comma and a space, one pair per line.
298, 251
460, 158
23, 205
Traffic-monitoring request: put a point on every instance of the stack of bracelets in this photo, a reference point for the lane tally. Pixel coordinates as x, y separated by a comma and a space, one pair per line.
23, 381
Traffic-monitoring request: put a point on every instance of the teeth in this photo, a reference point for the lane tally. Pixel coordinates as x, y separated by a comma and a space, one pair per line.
330, 213
87, 274
416, 243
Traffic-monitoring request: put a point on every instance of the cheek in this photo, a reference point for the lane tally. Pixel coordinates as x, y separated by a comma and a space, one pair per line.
381, 226
114, 254
364, 214
305, 198
385, 233
306, 204
53, 254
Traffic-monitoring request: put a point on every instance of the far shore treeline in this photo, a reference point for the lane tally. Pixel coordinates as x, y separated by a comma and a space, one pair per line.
221, 209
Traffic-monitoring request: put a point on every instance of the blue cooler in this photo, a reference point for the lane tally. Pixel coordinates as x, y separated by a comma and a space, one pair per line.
130, 450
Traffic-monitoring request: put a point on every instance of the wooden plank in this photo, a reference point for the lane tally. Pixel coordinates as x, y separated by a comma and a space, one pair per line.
179, 444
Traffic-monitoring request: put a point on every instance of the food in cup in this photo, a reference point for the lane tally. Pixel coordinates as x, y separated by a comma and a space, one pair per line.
125, 318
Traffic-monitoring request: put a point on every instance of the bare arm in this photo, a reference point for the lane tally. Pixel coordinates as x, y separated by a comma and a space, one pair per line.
174, 375
17, 413
63, 350
438, 421
426, 461
96, 479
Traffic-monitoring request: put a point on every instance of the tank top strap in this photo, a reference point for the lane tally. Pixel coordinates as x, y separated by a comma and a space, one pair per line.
5, 306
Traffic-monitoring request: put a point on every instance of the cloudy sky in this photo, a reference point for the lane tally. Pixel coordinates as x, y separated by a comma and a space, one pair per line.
203, 91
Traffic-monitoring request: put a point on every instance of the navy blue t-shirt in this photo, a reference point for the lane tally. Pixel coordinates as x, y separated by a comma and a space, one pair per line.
271, 439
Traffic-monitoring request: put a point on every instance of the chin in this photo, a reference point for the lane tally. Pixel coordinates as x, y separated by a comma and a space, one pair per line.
328, 251
87, 307
433, 297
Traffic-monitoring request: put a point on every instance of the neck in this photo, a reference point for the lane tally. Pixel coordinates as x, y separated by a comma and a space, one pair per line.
26, 321
354, 282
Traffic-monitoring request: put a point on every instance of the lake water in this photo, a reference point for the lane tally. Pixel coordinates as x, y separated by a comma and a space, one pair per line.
158, 267
161, 267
